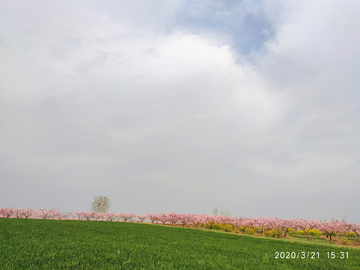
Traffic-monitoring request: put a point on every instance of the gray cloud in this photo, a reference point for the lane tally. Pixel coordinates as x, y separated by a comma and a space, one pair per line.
161, 117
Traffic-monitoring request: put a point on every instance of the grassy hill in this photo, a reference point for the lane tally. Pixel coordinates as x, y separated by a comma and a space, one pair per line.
52, 244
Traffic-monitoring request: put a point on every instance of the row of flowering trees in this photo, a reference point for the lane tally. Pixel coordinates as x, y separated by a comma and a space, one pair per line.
262, 225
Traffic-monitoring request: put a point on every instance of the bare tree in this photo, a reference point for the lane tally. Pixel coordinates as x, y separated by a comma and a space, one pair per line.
101, 204
222, 213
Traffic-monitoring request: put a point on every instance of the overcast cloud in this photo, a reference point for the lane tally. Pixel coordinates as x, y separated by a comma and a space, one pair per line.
175, 106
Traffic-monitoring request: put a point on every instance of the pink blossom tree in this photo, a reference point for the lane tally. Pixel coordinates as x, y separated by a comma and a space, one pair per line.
27, 213
173, 218
112, 216
329, 229
127, 217
6, 212
64, 215
262, 224
141, 218
163, 218
44, 213
153, 217
353, 227
79, 215
210, 220
184, 219
196, 219
307, 226
18, 213
282, 226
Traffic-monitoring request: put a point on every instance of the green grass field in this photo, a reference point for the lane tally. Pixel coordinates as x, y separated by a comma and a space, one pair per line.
51, 244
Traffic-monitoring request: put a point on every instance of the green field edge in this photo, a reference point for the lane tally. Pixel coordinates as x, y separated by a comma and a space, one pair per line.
300, 241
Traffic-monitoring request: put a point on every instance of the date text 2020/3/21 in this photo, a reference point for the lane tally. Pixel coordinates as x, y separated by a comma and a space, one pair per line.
297, 255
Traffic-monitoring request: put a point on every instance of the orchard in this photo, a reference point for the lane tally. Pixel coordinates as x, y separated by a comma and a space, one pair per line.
264, 226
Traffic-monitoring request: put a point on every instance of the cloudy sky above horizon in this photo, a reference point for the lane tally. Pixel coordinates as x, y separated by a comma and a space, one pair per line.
252, 107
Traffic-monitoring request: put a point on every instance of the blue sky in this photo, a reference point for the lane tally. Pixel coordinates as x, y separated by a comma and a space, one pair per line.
181, 106
248, 29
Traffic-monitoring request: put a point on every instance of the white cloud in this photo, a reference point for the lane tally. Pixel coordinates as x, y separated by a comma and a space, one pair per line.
100, 97
201, 116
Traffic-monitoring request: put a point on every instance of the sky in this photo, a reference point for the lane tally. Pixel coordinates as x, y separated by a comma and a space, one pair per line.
252, 107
